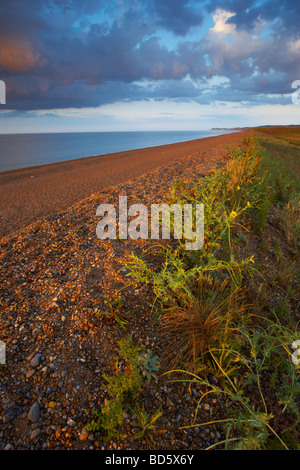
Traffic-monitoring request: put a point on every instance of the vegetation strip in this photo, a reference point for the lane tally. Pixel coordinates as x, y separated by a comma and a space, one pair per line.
228, 336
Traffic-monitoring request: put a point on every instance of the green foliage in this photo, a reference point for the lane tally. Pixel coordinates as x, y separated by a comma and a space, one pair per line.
283, 187
145, 423
148, 364
227, 195
115, 310
122, 387
284, 175
253, 429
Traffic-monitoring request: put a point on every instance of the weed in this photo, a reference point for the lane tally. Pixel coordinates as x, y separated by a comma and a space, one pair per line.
290, 221
114, 310
122, 387
260, 350
146, 424
148, 364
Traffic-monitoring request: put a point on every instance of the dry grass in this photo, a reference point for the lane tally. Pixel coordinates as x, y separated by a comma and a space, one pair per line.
205, 320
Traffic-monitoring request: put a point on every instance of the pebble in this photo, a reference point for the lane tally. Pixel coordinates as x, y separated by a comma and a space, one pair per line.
35, 332
29, 373
9, 415
35, 433
34, 413
71, 422
36, 360
168, 402
84, 434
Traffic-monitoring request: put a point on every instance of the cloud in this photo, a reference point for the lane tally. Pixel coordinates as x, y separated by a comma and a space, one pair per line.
19, 55
220, 18
69, 53
177, 15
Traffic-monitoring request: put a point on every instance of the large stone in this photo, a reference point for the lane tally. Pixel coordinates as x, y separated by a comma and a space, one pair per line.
34, 413
36, 360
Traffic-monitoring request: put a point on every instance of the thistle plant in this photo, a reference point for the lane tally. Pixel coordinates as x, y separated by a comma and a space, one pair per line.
148, 364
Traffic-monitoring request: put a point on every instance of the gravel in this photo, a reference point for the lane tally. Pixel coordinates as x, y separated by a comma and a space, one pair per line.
54, 277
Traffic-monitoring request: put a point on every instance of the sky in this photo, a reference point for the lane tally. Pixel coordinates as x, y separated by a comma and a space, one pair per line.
129, 65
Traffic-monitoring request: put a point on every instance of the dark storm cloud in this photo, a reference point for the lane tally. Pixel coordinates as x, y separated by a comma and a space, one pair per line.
63, 53
177, 15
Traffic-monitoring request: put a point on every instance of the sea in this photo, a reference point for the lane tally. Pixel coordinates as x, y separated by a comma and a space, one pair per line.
25, 150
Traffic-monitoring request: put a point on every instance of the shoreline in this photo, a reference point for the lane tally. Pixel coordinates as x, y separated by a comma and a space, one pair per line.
31, 193
107, 154
112, 154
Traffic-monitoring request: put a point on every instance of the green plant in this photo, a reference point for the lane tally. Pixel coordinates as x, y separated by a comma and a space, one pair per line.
121, 387
146, 423
148, 364
114, 310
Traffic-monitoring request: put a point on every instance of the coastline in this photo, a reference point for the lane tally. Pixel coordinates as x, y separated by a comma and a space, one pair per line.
31, 193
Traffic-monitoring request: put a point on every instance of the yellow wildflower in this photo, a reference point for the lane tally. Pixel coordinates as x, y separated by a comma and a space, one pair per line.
238, 187
252, 259
248, 204
233, 214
